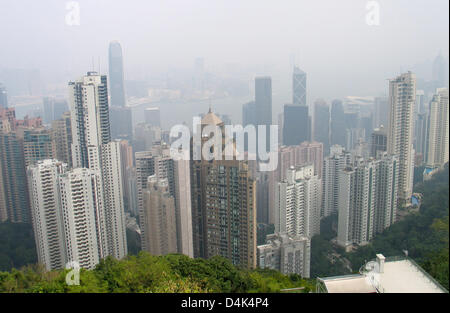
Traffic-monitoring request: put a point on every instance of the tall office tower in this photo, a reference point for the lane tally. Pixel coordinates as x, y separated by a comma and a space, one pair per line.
145, 136
378, 141
159, 217
62, 137
338, 124
92, 148
90, 118
298, 202
14, 200
116, 79
322, 124
421, 127
332, 165
183, 210
381, 109
152, 116
356, 204
223, 204
121, 123
297, 125
3, 97
83, 219
145, 167
385, 191
402, 94
365, 122
37, 144
263, 107
299, 87
437, 143
43, 182
439, 71
54, 109
286, 254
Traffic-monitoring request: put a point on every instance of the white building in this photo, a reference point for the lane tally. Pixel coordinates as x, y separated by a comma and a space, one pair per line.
46, 212
438, 120
338, 160
298, 201
402, 98
83, 220
289, 255
92, 148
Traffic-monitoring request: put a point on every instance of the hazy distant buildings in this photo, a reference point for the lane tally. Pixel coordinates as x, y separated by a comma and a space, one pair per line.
3, 97
152, 116
438, 130
263, 107
378, 141
37, 144
146, 136
322, 124
121, 123
287, 254
402, 94
338, 124
380, 116
54, 109
296, 125
116, 77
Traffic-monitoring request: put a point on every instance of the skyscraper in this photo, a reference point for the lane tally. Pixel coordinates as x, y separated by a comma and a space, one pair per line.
380, 116
223, 205
121, 123
152, 116
332, 165
297, 125
299, 87
438, 130
3, 97
420, 141
298, 202
92, 148
338, 123
322, 124
37, 144
263, 107
116, 78
402, 96
43, 180
378, 141
62, 137
159, 217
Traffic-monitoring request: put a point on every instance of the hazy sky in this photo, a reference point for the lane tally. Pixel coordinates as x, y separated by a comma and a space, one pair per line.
340, 52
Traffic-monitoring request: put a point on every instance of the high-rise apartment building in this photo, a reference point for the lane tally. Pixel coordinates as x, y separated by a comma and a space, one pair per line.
287, 254
402, 97
159, 217
438, 134
43, 180
298, 202
62, 137
332, 165
3, 97
223, 205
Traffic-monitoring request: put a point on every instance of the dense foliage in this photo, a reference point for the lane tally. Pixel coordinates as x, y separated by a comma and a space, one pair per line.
147, 273
17, 246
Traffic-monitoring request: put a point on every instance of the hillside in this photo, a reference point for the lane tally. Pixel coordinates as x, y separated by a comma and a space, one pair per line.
145, 273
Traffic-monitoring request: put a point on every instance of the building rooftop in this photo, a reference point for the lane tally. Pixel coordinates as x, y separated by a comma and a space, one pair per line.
383, 275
